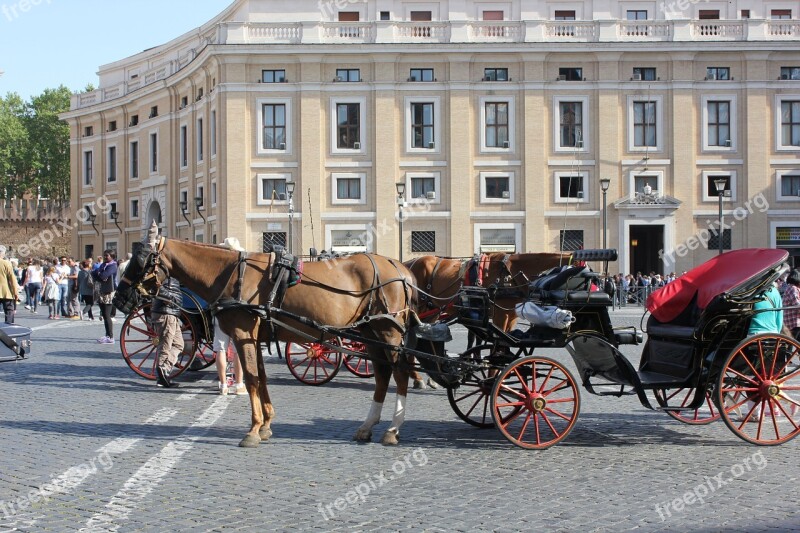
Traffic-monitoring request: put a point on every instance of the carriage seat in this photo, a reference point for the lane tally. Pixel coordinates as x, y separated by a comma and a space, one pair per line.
674, 331
568, 285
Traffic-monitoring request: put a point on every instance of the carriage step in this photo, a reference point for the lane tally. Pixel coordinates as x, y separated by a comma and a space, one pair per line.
654, 380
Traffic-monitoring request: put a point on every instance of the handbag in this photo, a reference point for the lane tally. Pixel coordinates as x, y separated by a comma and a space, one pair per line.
52, 291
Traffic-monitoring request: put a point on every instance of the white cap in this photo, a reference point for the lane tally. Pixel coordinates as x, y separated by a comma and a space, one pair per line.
233, 244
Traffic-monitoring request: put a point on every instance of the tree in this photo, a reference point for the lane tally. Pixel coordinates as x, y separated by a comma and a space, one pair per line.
14, 145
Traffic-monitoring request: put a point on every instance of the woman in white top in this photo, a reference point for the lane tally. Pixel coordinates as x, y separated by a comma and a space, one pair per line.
33, 284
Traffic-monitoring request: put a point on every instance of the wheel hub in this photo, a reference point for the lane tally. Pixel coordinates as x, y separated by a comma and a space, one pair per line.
536, 402
769, 389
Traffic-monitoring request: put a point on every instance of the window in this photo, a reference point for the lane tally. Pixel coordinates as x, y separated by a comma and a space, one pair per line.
718, 73
648, 182
213, 134
184, 148
201, 194
637, 14
713, 239
88, 131
497, 187
790, 73
274, 126
708, 14
570, 74
348, 16
135, 160
273, 76
788, 185
570, 125
199, 139
495, 74
423, 242
493, 15
718, 123
134, 120
348, 74
154, 111
134, 209
213, 194
423, 187
744, 13
644, 74
781, 14
199, 94
112, 126
570, 187
710, 188
497, 237
564, 15
272, 188
570, 240
385, 15
348, 126
422, 125
420, 16
88, 167
112, 208
184, 101
644, 124
496, 125
112, 164
421, 74
348, 188
153, 152
271, 239
790, 123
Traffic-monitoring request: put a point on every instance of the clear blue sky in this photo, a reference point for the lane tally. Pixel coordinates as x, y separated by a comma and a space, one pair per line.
57, 42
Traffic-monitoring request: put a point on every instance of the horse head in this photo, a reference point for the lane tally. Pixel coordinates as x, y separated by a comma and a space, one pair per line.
143, 275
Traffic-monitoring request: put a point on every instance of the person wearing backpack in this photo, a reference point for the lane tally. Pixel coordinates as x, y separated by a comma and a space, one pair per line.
86, 289
104, 276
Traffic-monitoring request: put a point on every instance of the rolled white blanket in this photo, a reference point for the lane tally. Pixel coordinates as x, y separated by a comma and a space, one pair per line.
549, 316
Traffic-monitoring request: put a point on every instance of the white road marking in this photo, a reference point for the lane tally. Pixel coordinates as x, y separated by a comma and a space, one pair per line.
149, 476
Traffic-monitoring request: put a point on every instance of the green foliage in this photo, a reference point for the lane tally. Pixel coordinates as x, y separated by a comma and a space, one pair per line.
34, 145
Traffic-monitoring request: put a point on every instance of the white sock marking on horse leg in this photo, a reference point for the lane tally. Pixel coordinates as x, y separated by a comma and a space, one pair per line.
374, 415
399, 414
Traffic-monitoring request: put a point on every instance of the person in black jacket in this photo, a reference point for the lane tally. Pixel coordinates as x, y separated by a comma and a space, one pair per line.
165, 315
105, 275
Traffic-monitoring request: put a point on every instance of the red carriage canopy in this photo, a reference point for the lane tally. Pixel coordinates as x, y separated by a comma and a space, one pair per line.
717, 275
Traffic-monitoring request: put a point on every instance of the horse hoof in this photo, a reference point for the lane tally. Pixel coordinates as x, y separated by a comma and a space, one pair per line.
265, 433
363, 435
432, 384
419, 384
390, 438
250, 441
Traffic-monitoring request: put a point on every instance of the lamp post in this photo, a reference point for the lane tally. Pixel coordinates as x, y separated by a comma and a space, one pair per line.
401, 200
115, 217
289, 194
184, 205
92, 218
198, 206
604, 184
719, 183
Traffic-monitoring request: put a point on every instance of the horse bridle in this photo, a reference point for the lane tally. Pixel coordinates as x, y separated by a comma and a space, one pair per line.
150, 267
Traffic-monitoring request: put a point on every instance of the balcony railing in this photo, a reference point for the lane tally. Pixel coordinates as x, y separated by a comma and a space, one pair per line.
574, 30
496, 31
644, 30
429, 32
719, 30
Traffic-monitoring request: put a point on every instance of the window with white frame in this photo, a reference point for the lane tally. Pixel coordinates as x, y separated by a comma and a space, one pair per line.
348, 238
133, 210
719, 122
503, 237
647, 182
348, 125
348, 188
788, 123
710, 187
788, 185
274, 125
571, 187
497, 187
497, 123
199, 236
422, 129
184, 146
423, 187
88, 167
272, 188
112, 208
213, 134
184, 200
201, 195
134, 153
200, 139
153, 153
569, 121
213, 193
112, 164
645, 124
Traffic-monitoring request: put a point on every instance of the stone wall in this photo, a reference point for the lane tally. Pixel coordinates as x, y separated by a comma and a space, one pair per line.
35, 238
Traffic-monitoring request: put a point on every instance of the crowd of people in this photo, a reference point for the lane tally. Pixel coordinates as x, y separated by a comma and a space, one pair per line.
634, 289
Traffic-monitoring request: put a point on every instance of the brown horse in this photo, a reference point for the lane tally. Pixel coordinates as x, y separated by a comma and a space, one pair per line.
372, 293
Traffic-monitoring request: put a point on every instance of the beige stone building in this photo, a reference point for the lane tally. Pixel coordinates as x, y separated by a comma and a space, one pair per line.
500, 120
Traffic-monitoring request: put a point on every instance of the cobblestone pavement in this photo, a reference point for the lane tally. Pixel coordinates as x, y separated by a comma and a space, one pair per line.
86, 444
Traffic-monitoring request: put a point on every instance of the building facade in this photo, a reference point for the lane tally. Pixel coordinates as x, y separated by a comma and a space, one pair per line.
452, 127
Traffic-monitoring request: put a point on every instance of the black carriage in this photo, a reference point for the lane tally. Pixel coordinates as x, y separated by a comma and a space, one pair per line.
698, 354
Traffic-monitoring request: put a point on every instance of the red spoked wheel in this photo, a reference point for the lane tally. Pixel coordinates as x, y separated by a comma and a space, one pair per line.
139, 343
705, 414
760, 388
470, 400
203, 357
312, 363
358, 366
535, 402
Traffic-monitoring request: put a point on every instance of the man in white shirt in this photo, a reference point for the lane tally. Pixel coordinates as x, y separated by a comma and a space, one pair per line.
62, 268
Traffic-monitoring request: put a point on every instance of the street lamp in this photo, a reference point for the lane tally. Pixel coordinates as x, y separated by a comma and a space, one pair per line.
401, 200
719, 183
184, 205
198, 206
289, 194
92, 216
115, 216
604, 184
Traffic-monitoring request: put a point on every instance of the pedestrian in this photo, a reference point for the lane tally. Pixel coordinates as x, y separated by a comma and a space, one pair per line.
221, 343
33, 283
62, 267
104, 279
51, 292
165, 313
74, 307
791, 300
86, 289
9, 290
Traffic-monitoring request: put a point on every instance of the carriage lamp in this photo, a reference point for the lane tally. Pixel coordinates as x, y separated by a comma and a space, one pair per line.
92, 218
115, 217
401, 191
719, 183
184, 205
198, 206
289, 193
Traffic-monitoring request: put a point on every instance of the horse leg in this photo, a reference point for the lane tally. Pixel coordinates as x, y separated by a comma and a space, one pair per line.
382, 372
392, 435
419, 383
252, 380
265, 432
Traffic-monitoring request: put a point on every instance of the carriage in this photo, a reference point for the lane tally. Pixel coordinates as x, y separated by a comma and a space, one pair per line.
15, 343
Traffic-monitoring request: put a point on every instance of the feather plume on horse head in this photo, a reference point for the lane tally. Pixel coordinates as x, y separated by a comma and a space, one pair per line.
151, 235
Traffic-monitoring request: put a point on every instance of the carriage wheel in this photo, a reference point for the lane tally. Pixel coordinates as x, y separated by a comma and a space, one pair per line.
203, 358
358, 366
470, 400
139, 342
312, 363
760, 388
543, 406
705, 414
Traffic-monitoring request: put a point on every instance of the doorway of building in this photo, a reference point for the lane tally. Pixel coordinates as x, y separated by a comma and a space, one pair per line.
646, 241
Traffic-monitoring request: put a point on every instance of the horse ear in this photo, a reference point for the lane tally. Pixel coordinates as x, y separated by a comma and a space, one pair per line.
151, 236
